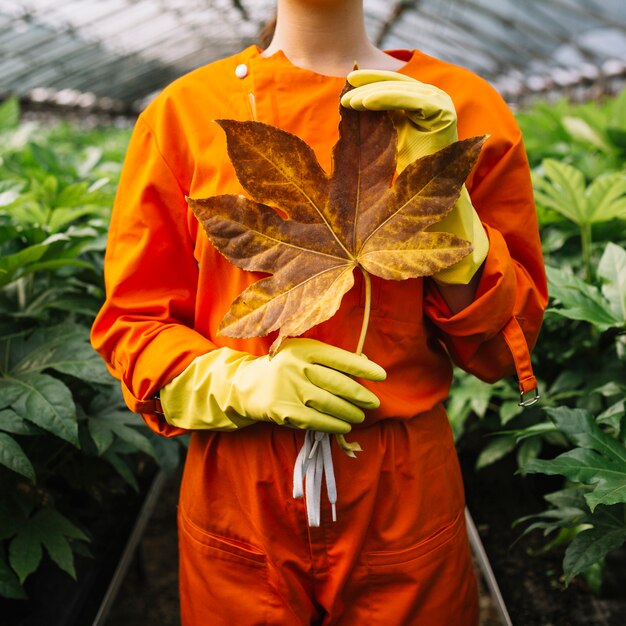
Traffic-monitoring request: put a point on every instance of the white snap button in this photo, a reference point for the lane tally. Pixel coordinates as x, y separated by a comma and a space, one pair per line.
241, 71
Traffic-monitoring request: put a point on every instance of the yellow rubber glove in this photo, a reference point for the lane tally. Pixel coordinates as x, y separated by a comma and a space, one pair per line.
307, 384
425, 119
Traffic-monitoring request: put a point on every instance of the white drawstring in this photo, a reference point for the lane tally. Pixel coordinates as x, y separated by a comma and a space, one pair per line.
314, 461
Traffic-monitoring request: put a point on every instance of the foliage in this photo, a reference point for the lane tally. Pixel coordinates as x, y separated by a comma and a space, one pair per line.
332, 223
589, 136
64, 432
592, 417
594, 505
561, 188
580, 359
598, 460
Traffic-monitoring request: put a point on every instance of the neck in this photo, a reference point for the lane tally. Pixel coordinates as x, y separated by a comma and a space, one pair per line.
325, 36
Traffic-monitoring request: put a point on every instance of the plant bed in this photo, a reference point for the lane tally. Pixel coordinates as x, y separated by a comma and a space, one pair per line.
54, 598
531, 583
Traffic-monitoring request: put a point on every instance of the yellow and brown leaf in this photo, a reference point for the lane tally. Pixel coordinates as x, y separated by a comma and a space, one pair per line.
326, 225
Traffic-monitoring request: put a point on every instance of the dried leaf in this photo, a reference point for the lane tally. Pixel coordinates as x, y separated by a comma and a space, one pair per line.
310, 229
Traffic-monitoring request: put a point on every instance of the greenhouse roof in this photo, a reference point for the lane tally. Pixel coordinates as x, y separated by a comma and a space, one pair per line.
122, 51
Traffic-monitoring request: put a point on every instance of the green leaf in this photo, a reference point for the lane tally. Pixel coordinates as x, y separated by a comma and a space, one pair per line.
133, 437
600, 461
13, 457
528, 450
590, 535
568, 511
48, 403
468, 396
610, 390
73, 195
55, 529
91, 156
9, 583
63, 216
613, 415
586, 466
579, 129
9, 192
13, 266
104, 429
591, 546
55, 264
509, 410
80, 360
563, 190
79, 304
48, 528
11, 422
60, 551
32, 353
571, 498
63, 348
495, 450
25, 553
51, 521
27, 212
10, 391
579, 300
101, 434
531, 431
606, 198
581, 429
612, 270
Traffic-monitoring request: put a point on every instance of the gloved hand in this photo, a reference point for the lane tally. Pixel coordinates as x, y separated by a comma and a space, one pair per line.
307, 384
425, 119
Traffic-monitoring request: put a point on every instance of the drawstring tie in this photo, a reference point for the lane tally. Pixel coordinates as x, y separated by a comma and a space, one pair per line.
314, 461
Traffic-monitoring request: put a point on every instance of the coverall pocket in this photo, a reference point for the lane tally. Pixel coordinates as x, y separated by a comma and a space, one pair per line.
422, 549
431, 582
223, 581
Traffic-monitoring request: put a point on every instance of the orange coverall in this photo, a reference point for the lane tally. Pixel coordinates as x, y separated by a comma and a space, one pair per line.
398, 554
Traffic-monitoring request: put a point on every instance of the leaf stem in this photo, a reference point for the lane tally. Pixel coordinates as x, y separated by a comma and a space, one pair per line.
21, 292
351, 448
366, 312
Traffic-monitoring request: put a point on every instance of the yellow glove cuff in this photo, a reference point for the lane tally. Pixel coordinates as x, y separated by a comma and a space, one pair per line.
464, 222
189, 402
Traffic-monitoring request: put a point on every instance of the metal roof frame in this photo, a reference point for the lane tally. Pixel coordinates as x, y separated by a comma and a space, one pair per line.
125, 50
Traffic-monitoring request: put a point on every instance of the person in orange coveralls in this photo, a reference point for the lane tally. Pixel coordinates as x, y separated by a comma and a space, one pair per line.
251, 553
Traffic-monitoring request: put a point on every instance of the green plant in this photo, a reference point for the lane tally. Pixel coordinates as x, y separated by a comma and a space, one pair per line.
561, 188
589, 136
64, 431
581, 353
590, 515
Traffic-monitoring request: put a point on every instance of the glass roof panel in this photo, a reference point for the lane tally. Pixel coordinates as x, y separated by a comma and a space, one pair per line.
127, 49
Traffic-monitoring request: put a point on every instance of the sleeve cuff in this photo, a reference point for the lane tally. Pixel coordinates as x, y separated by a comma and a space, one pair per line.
163, 358
494, 302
